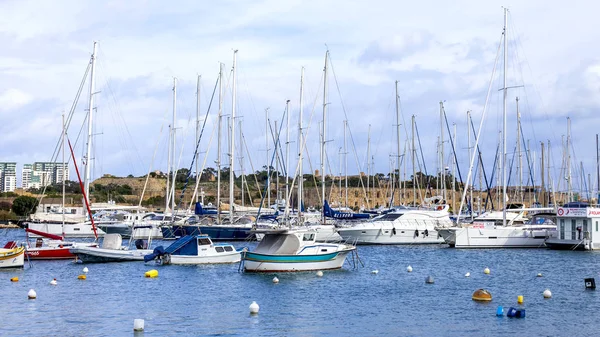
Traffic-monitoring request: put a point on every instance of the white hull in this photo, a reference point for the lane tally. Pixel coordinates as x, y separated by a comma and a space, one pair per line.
95, 254
232, 257
11, 258
79, 230
385, 236
504, 237
326, 233
255, 266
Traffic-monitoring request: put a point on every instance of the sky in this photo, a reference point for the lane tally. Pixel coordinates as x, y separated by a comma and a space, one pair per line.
436, 51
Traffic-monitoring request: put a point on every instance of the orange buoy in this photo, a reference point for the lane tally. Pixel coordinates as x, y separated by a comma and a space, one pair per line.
482, 295
82, 277
14, 279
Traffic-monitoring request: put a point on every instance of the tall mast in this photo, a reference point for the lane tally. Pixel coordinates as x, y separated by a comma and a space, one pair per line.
470, 183
220, 122
568, 150
197, 125
173, 162
287, 157
300, 148
412, 154
442, 167
267, 132
276, 148
231, 149
504, 89
597, 172
64, 134
241, 162
368, 163
543, 187
454, 168
519, 190
346, 162
90, 135
323, 139
398, 141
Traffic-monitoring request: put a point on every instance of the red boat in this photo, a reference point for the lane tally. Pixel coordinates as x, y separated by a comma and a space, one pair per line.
52, 247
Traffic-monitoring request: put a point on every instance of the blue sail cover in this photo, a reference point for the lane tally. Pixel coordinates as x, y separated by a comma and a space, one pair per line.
330, 213
186, 245
198, 210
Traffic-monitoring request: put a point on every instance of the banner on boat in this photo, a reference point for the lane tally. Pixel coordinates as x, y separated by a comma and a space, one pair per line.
572, 212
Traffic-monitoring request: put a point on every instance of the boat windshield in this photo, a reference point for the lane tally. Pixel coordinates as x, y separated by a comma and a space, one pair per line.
389, 217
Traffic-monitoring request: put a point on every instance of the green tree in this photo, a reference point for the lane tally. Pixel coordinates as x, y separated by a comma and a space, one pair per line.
24, 205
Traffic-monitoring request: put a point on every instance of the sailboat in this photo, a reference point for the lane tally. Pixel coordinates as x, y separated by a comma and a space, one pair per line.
508, 228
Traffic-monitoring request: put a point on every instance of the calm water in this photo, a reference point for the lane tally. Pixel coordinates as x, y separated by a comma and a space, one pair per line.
214, 300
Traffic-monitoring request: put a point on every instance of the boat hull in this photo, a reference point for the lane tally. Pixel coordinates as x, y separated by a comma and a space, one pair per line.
221, 258
505, 237
12, 258
254, 262
80, 230
386, 236
97, 255
216, 233
557, 244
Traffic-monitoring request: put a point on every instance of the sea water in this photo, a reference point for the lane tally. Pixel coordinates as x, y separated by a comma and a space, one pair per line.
214, 299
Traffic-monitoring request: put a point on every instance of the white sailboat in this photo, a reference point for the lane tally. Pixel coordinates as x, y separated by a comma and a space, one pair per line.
505, 229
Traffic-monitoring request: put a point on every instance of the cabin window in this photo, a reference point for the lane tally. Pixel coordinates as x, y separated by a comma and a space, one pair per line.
596, 226
573, 229
228, 249
308, 237
561, 229
219, 249
202, 242
585, 228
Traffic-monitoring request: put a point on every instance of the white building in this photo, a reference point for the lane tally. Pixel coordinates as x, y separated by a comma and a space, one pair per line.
40, 174
8, 177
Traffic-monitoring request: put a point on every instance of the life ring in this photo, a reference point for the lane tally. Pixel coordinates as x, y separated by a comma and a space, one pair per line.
439, 208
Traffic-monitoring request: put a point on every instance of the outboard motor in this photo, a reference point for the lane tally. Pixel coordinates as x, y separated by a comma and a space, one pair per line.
141, 244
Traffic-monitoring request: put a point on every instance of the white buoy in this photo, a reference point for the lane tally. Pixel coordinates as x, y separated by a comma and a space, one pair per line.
319, 273
138, 324
409, 269
85, 270
275, 279
467, 274
375, 272
539, 275
31, 294
254, 308
486, 271
53, 282
547, 293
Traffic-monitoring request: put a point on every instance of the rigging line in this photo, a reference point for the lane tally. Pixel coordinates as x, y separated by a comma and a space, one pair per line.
150, 168
527, 155
487, 183
187, 178
212, 134
453, 148
272, 159
472, 159
252, 167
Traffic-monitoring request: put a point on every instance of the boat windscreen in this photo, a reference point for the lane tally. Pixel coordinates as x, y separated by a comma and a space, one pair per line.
389, 217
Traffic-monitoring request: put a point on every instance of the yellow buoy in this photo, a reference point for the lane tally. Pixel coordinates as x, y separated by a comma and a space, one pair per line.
482, 295
520, 299
486, 271
82, 277
151, 273
14, 279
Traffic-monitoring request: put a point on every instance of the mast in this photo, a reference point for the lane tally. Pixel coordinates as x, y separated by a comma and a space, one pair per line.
568, 150
300, 148
346, 162
442, 163
197, 124
368, 163
287, 157
64, 135
323, 139
454, 169
220, 122
267, 124
597, 172
277, 145
241, 161
397, 141
90, 135
543, 187
504, 89
470, 154
519, 191
231, 149
173, 162
412, 154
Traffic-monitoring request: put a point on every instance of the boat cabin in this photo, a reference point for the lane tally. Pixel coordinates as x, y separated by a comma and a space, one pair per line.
579, 225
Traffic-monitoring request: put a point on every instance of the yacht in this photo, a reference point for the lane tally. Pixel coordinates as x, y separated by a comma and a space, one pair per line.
403, 225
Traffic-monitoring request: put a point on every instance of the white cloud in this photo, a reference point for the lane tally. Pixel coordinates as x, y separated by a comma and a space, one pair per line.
12, 99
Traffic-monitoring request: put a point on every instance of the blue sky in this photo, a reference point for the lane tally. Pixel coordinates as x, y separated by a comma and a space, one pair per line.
436, 51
